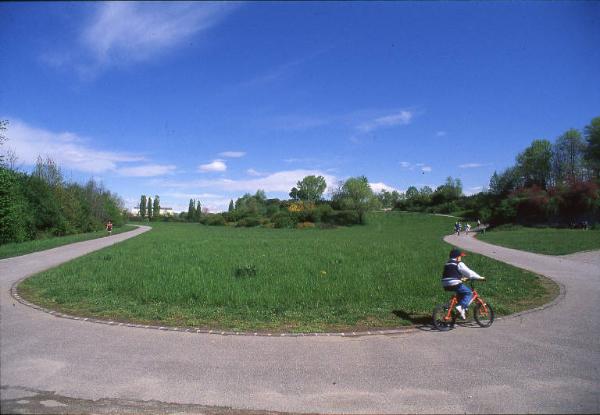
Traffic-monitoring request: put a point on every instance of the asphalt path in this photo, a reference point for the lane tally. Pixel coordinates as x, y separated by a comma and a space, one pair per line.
542, 361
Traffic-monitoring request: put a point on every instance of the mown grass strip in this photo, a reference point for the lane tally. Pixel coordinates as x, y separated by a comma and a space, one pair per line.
22, 248
548, 241
384, 274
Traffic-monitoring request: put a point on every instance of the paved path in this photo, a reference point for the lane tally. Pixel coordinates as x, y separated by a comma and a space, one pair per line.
545, 361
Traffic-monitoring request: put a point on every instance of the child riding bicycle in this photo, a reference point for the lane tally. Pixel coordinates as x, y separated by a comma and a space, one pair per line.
455, 273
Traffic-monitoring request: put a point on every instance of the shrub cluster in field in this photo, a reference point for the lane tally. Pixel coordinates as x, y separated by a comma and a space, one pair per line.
306, 208
243, 278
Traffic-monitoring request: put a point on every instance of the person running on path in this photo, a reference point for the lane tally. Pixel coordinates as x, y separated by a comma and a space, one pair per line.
468, 228
457, 228
455, 273
109, 228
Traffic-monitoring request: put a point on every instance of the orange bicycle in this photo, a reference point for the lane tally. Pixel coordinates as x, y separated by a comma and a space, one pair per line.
444, 315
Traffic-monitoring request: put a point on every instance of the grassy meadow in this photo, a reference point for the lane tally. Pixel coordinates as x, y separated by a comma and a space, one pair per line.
21, 248
549, 241
384, 274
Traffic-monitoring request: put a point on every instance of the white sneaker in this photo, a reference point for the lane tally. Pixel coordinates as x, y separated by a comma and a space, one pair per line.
461, 311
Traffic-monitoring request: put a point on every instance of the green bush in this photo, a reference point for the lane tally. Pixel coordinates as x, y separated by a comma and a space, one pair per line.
214, 220
343, 218
284, 219
249, 222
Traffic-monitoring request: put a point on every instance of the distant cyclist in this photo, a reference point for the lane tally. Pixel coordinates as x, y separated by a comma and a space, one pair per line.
455, 273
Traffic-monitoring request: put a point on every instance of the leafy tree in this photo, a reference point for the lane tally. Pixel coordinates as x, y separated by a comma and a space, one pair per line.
412, 193
156, 206
191, 211
294, 194
311, 188
198, 212
534, 163
504, 183
149, 208
231, 207
143, 206
568, 156
356, 194
592, 149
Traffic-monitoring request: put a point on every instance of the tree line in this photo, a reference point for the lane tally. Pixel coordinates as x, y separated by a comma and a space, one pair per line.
43, 203
148, 208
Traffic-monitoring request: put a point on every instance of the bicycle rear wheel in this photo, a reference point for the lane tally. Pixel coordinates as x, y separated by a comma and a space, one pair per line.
484, 314
440, 320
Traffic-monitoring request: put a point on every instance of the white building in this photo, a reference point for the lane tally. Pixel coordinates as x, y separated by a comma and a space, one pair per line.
164, 211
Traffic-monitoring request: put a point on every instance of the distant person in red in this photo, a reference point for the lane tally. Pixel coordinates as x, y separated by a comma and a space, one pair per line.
109, 227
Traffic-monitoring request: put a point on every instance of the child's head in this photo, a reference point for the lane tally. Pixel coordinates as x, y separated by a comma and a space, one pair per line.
457, 254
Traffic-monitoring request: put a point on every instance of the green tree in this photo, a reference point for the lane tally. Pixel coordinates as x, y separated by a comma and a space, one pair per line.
156, 207
534, 163
198, 212
311, 188
592, 148
294, 194
568, 156
191, 211
231, 207
143, 206
356, 194
412, 193
149, 209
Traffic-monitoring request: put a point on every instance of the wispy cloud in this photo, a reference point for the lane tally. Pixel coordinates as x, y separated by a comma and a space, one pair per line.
379, 186
403, 117
68, 149
121, 33
147, 170
214, 166
139, 31
440, 133
232, 154
281, 181
252, 172
471, 165
412, 166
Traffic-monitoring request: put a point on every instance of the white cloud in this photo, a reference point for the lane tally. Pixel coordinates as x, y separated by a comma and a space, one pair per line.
471, 165
426, 169
378, 187
130, 32
232, 154
253, 172
147, 170
400, 118
281, 181
405, 164
216, 165
67, 149
440, 133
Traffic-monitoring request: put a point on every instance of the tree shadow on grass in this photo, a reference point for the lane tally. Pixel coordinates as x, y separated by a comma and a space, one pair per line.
420, 321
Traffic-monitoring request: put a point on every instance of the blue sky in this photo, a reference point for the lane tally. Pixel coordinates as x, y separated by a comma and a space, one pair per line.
212, 100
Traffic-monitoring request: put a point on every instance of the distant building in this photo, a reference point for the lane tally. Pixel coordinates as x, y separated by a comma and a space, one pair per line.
164, 211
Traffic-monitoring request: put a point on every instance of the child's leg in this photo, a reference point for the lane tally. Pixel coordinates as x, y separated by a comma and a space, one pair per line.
465, 294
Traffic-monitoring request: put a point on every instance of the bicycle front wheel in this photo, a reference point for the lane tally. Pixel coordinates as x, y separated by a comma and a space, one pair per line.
484, 314
440, 318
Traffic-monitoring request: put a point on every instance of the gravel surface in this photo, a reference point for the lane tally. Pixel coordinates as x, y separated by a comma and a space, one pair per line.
543, 361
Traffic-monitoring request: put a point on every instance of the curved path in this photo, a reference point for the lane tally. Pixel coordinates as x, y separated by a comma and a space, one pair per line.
544, 361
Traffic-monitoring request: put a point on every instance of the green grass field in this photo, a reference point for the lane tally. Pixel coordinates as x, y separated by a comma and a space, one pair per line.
549, 241
384, 274
22, 248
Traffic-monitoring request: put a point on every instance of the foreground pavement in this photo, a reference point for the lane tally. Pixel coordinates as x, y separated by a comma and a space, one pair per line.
542, 361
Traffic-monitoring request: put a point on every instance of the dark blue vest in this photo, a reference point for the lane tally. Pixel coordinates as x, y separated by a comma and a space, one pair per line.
451, 270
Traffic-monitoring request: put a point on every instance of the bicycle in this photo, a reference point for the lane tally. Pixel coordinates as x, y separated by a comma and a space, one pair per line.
444, 315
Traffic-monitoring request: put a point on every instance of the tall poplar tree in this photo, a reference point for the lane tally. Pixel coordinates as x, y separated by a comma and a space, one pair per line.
143, 206
198, 211
156, 206
231, 208
191, 211
149, 208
